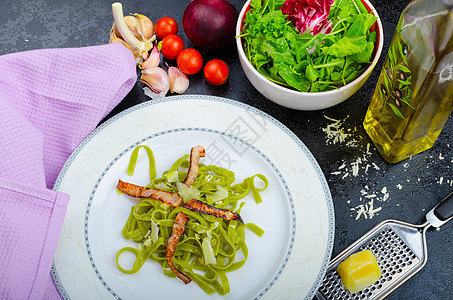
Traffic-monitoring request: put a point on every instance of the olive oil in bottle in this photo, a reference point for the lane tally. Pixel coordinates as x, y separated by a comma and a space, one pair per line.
414, 94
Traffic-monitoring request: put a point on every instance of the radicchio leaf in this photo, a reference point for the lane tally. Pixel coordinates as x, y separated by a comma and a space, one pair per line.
308, 16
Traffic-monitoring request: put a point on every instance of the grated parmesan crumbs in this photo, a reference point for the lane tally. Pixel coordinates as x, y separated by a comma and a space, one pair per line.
366, 210
357, 167
385, 194
337, 134
442, 180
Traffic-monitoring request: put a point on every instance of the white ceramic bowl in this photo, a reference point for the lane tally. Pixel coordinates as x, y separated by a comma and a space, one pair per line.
305, 100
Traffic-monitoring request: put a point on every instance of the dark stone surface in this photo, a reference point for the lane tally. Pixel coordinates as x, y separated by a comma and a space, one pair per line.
413, 186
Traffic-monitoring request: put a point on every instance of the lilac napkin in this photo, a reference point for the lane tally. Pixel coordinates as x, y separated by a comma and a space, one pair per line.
50, 100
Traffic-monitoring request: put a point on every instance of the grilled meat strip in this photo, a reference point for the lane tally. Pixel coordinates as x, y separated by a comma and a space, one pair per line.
195, 154
178, 229
143, 192
202, 207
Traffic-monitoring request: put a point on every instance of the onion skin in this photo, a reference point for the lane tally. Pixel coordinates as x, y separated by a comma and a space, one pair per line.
210, 24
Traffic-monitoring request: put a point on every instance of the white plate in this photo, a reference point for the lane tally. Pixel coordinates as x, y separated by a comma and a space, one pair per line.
287, 262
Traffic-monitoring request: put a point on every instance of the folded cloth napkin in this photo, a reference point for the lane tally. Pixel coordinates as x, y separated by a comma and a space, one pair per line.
50, 100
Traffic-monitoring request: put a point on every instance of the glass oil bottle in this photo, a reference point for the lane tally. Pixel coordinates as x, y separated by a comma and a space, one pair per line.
413, 98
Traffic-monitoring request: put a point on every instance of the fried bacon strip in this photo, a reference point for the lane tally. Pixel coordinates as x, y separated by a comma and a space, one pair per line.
143, 192
178, 229
202, 207
195, 154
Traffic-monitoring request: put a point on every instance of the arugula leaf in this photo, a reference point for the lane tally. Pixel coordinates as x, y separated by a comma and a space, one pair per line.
361, 25
335, 76
344, 8
311, 73
331, 63
365, 55
371, 37
348, 46
297, 81
256, 4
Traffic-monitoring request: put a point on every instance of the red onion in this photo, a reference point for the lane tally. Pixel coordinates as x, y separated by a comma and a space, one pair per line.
210, 24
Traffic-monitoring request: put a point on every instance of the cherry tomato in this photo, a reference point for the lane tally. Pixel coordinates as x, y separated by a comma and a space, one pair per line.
216, 72
190, 61
171, 46
165, 26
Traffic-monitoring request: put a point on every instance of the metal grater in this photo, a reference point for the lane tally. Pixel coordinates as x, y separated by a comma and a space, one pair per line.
400, 249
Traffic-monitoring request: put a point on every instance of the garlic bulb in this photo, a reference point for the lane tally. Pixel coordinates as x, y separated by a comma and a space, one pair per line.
136, 30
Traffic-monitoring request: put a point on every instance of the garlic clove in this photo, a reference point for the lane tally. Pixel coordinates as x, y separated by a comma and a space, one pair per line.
115, 39
157, 80
134, 27
146, 26
179, 82
153, 59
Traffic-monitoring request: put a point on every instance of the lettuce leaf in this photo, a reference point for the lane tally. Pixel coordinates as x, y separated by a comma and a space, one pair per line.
348, 46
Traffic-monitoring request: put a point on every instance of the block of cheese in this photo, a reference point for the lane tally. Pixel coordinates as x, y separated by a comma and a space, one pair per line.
359, 271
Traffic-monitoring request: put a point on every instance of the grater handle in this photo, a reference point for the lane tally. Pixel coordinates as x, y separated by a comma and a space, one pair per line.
442, 212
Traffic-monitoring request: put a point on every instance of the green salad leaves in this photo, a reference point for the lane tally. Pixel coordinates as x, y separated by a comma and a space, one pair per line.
306, 62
